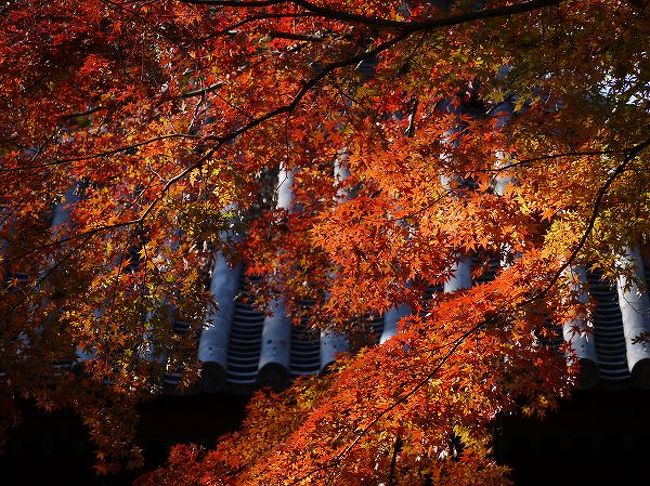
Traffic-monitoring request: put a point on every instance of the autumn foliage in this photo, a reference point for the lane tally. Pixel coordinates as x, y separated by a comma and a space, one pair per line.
134, 135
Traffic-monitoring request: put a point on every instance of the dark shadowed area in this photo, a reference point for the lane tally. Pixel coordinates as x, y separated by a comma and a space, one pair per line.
599, 437
55, 448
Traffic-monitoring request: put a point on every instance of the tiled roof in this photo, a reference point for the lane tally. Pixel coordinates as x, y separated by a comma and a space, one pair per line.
262, 349
242, 347
621, 314
269, 351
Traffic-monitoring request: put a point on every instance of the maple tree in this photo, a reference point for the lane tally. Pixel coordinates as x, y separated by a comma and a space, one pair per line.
134, 135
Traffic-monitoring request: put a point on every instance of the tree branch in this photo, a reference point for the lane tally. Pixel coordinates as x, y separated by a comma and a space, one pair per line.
402, 26
201, 91
220, 141
276, 34
423, 381
630, 154
98, 155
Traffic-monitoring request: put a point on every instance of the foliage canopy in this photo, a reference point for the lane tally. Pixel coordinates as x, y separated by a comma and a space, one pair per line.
155, 127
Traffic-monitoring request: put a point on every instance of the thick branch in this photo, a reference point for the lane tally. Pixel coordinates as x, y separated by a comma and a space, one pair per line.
403, 26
